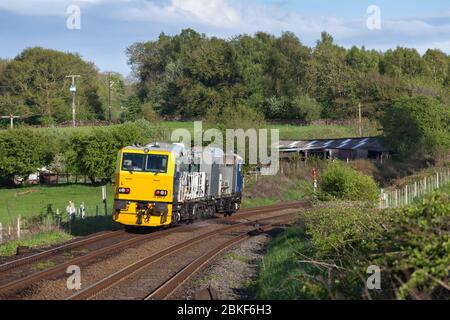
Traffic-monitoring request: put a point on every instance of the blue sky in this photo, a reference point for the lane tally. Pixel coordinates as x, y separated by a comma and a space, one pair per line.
108, 27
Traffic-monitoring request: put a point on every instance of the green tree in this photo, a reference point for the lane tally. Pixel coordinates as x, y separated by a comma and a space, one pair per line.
24, 151
436, 65
330, 80
402, 62
36, 86
305, 108
417, 126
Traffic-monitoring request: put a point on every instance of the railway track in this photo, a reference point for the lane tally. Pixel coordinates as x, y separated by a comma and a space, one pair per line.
179, 278
59, 269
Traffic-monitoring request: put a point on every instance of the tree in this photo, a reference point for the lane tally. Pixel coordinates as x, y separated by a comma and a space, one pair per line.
402, 62
24, 151
417, 127
436, 65
305, 108
36, 86
330, 80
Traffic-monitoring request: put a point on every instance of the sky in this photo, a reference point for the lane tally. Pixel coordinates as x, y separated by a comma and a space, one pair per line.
101, 30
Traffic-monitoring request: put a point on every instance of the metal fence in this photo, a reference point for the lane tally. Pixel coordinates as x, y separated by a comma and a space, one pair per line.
408, 193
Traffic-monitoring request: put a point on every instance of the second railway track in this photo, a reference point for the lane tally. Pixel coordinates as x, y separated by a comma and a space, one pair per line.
58, 270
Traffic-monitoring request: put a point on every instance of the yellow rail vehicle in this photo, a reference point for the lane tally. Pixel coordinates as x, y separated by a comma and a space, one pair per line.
144, 192
160, 185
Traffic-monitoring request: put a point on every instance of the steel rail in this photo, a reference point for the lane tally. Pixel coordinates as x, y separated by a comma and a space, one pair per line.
54, 251
128, 271
60, 268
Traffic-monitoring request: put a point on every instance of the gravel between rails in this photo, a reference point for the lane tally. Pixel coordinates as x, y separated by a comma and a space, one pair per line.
56, 289
230, 273
137, 286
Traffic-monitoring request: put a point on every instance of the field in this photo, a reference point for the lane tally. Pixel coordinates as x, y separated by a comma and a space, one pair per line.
313, 131
36, 200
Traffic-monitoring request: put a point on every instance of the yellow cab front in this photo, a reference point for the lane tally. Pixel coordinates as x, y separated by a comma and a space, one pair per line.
144, 187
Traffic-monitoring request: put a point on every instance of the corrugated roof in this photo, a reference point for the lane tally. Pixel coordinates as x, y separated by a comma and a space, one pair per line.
366, 143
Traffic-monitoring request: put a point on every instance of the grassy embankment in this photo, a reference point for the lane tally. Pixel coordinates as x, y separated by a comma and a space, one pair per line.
326, 255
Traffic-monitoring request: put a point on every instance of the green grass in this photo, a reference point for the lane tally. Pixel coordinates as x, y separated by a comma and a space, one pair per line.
34, 241
280, 270
36, 200
292, 132
44, 265
296, 189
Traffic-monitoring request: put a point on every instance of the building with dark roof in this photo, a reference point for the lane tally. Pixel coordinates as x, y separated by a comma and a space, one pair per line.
344, 149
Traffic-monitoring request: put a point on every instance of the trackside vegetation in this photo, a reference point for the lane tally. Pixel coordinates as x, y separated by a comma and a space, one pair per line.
327, 254
343, 182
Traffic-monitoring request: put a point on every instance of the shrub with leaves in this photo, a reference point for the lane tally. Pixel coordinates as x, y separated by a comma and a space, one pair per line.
338, 243
343, 182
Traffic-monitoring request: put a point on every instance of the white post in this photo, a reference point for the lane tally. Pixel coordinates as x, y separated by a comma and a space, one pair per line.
18, 228
396, 199
437, 180
406, 194
415, 189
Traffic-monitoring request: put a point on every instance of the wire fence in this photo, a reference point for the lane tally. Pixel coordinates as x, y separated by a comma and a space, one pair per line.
408, 193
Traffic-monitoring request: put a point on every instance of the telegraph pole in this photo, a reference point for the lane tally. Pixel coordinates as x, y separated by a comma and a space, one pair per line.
73, 90
11, 119
360, 119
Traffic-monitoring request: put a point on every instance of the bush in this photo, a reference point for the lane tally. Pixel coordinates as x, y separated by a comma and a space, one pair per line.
342, 182
329, 255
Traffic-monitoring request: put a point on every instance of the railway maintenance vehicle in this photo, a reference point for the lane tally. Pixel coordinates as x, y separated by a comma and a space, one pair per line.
164, 184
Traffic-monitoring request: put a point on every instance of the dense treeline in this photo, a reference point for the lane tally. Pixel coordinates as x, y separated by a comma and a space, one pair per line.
189, 75
240, 82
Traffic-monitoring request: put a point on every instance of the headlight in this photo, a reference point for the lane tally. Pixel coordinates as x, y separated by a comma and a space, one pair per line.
124, 190
161, 193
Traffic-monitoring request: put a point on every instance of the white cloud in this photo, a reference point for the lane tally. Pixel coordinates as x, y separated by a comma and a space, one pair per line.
217, 13
229, 17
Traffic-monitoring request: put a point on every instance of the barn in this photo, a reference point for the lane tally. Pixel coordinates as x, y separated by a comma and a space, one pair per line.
346, 149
